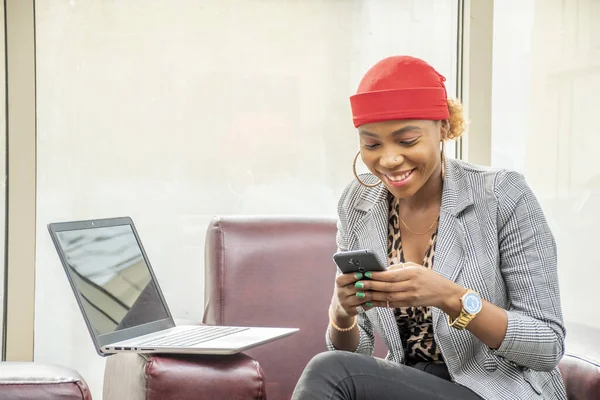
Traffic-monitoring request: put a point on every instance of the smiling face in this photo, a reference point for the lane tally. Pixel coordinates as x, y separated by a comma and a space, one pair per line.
404, 154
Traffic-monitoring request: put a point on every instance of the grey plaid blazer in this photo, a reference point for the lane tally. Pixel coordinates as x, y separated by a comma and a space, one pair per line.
494, 239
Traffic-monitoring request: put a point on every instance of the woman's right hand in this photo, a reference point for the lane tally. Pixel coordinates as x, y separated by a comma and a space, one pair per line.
345, 299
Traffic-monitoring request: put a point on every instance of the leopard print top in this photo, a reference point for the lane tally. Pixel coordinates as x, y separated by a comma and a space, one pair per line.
414, 323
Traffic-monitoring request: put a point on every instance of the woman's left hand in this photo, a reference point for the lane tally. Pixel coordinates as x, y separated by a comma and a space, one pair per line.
412, 285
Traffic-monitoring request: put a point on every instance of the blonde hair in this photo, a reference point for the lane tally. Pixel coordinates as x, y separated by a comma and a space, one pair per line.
457, 121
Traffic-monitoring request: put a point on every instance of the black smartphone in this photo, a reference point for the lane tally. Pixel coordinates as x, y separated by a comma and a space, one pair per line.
358, 261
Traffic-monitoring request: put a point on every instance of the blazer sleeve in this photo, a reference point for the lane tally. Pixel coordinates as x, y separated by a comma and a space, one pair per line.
528, 262
366, 342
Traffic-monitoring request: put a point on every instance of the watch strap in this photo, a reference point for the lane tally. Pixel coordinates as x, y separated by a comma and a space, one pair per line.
464, 317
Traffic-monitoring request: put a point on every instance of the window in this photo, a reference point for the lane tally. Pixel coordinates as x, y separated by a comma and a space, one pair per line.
546, 79
174, 114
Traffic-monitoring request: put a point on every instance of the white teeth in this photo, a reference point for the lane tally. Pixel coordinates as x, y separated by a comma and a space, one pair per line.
399, 177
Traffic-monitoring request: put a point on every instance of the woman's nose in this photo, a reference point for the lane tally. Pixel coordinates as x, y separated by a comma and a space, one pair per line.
391, 161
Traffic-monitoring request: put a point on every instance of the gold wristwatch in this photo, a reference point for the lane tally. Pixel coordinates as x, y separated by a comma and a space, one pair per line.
471, 305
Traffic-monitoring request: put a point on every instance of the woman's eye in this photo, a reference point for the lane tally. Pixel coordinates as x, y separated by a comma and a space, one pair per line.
409, 142
371, 146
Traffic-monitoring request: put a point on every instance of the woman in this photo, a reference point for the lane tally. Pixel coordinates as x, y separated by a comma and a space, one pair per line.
469, 307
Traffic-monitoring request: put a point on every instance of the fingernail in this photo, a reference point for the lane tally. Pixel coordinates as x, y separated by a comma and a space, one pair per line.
369, 304
358, 275
359, 285
368, 274
360, 294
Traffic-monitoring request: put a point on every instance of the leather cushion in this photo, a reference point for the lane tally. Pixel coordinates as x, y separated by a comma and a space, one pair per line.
30, 380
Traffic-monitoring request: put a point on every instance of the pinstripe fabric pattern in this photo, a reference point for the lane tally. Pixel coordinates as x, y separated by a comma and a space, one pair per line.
494, 239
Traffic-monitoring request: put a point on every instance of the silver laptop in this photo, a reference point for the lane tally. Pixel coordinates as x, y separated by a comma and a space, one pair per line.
121, 301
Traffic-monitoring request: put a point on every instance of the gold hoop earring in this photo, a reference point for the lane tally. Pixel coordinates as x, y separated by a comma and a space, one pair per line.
356, 175
443, 160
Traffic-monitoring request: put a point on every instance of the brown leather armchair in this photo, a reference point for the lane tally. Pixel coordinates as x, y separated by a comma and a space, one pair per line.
267, 271
581, 376
130, 376
37, 381
272, 272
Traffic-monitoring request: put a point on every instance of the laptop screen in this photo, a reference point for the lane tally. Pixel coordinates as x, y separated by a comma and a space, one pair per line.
112, 278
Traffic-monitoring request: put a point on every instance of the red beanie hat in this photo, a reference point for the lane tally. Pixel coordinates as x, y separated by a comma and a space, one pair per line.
400, 87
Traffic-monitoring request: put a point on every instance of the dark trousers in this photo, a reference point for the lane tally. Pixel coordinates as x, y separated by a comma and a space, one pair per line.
340, 375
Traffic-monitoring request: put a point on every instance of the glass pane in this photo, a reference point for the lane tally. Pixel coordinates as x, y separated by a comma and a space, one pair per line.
545, 84
173, 112
2, 171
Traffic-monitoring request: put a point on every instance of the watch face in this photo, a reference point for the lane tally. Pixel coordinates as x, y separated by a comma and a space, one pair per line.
472, 303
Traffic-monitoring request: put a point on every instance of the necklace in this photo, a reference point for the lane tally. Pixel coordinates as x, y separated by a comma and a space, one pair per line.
419, 233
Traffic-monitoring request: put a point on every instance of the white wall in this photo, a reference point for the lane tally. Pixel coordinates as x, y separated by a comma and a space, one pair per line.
175, 111
545, 110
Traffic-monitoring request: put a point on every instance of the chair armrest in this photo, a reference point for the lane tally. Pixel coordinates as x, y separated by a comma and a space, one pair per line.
182, 377
32, 380
581, 377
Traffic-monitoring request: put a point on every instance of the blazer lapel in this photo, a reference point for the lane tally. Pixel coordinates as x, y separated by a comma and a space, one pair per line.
372, 228
449, 256
456, 197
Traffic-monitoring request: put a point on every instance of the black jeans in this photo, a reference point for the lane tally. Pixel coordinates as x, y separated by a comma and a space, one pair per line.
341, 375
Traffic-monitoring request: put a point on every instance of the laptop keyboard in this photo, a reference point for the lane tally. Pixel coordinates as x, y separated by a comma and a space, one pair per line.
194, 336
